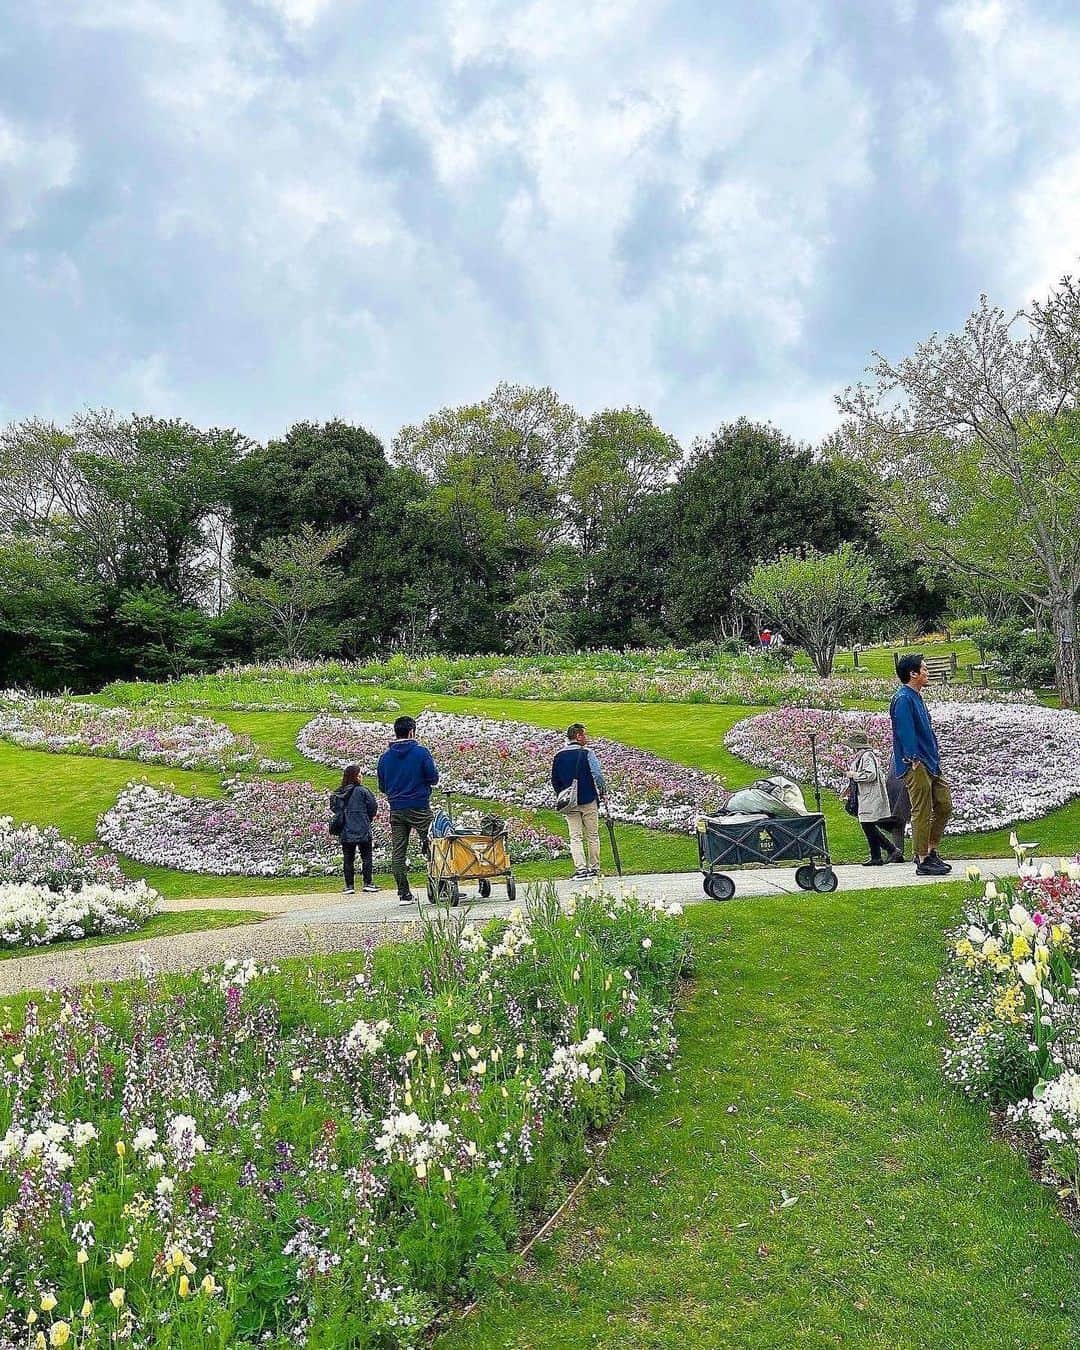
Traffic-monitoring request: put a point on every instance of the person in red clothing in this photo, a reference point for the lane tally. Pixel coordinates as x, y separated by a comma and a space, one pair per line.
764, 637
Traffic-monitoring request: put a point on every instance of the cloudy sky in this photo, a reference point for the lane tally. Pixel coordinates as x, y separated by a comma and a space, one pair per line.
247, 212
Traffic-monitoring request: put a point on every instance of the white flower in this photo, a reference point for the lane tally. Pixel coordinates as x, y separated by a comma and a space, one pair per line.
145, 1139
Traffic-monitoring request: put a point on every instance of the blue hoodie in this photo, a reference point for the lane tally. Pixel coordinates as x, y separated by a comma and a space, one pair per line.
912, 733
407, 773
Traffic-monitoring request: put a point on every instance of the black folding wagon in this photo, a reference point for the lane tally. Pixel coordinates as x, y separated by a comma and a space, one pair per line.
725, 842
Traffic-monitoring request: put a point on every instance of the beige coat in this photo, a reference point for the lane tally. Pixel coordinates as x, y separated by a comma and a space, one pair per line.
873, 792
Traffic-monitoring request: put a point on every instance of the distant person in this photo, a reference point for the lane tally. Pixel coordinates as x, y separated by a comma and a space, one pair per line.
579, 785
407, 773
917, 760
764, 638
354, 807
867, 775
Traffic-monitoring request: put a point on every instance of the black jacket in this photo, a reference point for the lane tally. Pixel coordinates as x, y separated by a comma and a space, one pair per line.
360, 809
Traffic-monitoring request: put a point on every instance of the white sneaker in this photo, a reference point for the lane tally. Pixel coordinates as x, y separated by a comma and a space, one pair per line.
582, 874
370, 889
409, 900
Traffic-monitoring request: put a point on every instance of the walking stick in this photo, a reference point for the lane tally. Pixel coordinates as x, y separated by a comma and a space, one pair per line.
611, 835
813, 757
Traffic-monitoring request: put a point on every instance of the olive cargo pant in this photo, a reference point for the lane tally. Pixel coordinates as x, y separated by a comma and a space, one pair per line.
931, 807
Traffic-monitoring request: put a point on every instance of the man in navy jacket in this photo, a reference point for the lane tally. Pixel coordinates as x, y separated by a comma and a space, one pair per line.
407, 773
576, 763
917, 759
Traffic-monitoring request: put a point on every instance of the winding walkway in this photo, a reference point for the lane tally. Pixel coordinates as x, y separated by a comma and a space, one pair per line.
300, 925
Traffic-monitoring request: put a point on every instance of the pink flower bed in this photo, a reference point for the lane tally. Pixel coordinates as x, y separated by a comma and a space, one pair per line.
511, 762
260, 828
1004, 762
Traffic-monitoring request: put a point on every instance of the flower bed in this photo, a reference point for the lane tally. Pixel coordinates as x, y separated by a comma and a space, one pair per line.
66, 726
261, 828
322, 1155
511, 762
1011, 1006
1004, 763
53, 889
669, 675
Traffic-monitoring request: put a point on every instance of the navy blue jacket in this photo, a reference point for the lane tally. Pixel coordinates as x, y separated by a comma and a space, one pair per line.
360, 810
407, 773
912, 732
575, 761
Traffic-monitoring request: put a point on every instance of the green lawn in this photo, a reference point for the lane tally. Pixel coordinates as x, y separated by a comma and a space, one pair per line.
71, 791
809, 1069
878, 661
161, 925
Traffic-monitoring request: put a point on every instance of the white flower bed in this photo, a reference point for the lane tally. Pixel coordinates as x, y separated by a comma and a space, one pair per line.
70, 727
31, 916
511, 762
52, 888
1003, 762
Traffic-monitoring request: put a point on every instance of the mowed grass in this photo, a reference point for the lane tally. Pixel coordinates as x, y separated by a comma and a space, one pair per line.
804, 1177
878, 661
72, 791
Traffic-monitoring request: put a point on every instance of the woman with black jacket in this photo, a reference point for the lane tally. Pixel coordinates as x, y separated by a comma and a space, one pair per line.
354, 807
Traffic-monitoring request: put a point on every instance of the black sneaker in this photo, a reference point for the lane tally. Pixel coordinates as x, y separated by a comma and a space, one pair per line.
874, 862
929, 867
896, 857
348, 890
936, 857
582, 874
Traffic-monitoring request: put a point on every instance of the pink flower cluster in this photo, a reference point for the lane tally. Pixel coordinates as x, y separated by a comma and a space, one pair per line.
511, 762
1004, 762
259, 828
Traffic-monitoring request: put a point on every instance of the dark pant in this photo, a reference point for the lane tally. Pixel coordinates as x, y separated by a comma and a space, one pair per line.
887, 834
401, 823
348, 852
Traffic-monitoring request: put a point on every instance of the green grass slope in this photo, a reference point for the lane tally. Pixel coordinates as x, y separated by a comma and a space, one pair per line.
805, 1177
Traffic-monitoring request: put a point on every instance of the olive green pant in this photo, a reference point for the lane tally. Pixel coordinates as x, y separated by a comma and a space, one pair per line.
931, 807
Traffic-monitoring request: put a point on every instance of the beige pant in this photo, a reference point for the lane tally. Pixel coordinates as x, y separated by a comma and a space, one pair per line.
584, 827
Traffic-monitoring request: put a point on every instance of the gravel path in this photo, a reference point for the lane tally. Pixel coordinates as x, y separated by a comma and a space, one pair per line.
304, 924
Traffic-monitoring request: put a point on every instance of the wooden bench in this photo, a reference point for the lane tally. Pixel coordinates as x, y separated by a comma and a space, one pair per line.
941, 669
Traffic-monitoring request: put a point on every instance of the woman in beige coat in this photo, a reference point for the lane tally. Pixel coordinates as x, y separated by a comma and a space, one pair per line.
875, 813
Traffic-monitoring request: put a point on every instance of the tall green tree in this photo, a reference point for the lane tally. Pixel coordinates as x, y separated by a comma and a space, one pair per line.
496, 472
48, 613
747, 494
974, 446
622, 457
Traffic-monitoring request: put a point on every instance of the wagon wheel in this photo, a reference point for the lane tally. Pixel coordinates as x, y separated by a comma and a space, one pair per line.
432, 891
484, 888
804, 877
511, 889
719, 886
825, 880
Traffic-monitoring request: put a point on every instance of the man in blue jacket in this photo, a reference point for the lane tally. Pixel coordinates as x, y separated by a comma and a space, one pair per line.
575, 763
917, 759
407, 773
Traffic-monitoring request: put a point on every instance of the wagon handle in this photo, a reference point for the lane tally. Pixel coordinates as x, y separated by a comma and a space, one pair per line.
813, 760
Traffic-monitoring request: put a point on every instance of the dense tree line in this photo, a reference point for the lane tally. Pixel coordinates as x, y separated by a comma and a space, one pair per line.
148, 547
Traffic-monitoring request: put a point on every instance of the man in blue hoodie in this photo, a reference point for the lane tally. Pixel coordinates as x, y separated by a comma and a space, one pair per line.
917, 759
407, 773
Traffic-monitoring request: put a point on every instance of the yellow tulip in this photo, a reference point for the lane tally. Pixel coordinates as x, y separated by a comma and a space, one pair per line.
123, 1259
121, 1148
83, 1256
116, 1298
209, 1285
48, 1302
86, 1309
59, 1333
185, 1286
